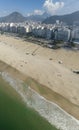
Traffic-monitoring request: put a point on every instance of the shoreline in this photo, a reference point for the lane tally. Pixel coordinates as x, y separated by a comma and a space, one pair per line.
52, 96
47, 109
15, 114
56, 82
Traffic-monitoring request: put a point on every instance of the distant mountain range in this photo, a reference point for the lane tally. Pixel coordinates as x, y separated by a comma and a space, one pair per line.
38, 17
68, 18
16, 17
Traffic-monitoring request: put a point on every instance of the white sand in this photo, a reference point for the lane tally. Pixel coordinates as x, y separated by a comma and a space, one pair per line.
58, 77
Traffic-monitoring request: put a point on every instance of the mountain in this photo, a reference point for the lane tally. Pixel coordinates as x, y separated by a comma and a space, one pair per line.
38, 17
35, 18
14, 17
68, 18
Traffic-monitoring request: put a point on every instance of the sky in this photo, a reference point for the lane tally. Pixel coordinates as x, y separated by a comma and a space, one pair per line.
29, 7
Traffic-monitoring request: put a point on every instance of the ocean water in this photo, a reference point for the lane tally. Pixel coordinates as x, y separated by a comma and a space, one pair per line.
15, 115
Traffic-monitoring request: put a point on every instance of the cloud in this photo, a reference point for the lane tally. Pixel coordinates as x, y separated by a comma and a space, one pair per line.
51, 7
38, 12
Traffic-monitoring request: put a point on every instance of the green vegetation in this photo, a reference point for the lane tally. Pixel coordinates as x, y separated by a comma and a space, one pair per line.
73, 44
14, 115
1, 32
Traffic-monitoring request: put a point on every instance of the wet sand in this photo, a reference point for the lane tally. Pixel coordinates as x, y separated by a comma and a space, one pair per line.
15, 115
42, 65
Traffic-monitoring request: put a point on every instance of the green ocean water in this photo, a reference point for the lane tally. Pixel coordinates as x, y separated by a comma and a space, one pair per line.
14, 115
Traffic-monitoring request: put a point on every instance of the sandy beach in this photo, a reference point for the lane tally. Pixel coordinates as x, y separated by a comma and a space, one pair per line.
42, 64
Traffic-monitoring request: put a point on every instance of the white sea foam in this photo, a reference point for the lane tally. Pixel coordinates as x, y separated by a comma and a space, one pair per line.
49, 110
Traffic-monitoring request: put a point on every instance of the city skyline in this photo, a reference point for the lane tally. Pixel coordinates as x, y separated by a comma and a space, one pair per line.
35, 7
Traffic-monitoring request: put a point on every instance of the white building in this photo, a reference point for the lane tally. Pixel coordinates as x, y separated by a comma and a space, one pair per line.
13, 28
28, 28
63, 34
76, 33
